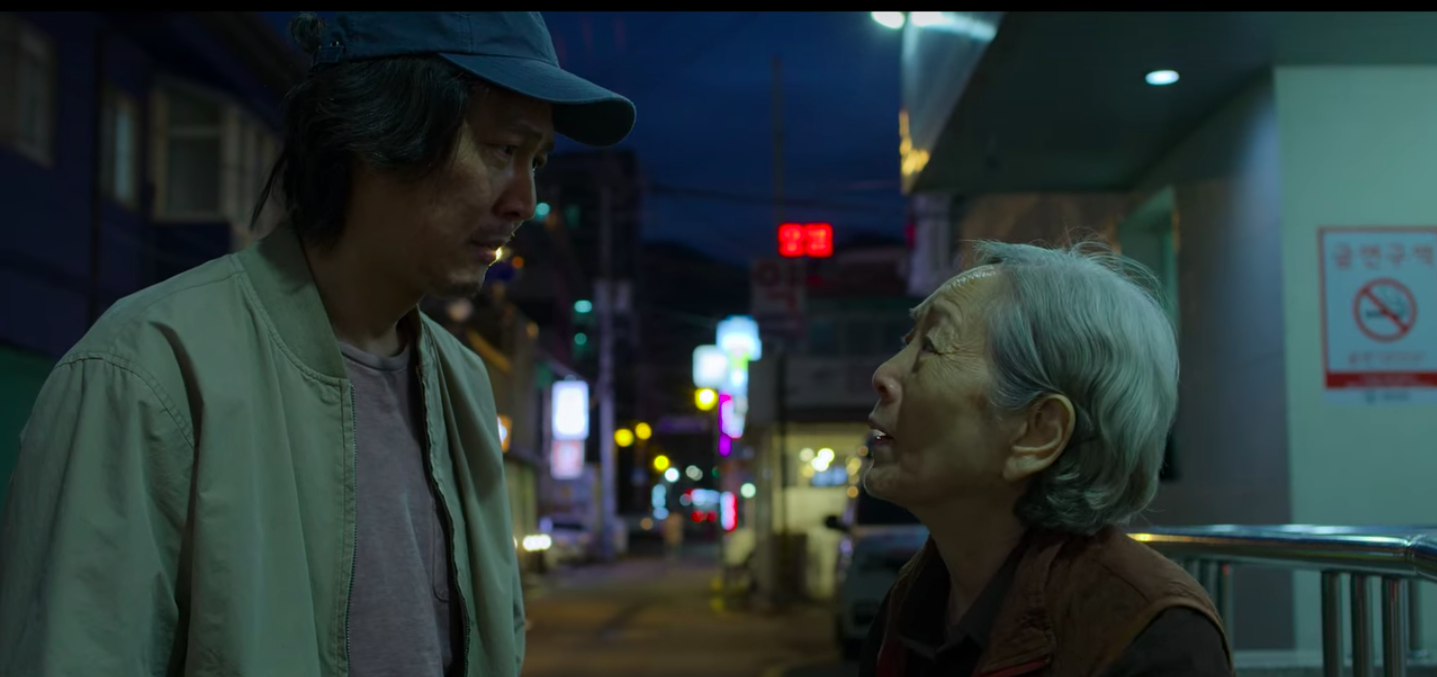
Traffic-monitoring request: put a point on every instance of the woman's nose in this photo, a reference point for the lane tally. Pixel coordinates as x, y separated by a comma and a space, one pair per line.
885, 382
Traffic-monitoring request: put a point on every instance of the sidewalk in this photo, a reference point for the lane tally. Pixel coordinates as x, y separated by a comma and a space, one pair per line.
647, 617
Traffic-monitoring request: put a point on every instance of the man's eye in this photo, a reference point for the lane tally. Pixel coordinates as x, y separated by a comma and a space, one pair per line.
506, 151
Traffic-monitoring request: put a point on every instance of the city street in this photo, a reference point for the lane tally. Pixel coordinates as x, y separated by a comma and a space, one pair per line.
647, 617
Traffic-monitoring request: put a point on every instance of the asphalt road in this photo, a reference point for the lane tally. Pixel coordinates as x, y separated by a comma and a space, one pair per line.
647, 617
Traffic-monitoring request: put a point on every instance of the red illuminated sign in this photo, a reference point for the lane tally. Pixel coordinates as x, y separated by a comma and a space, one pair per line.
814, 240
790, 240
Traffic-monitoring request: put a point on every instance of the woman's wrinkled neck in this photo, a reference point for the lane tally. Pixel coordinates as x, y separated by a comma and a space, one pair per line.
974, 538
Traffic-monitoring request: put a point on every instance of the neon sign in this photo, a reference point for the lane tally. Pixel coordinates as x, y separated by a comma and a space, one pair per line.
814, 240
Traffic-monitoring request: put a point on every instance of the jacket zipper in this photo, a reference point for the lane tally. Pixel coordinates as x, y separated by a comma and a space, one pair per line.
354, 552
457, 590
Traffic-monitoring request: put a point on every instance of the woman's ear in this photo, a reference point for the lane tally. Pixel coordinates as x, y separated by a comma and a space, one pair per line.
1041, 435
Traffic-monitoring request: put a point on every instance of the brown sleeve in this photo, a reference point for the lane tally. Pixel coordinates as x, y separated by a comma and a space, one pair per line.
1180, 642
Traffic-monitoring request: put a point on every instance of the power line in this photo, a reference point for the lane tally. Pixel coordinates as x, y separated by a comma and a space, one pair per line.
721, 196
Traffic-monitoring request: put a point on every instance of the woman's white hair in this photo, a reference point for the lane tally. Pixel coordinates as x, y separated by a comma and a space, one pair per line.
1076, 321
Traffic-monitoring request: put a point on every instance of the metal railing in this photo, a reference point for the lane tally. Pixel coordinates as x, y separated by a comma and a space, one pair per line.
1401, 557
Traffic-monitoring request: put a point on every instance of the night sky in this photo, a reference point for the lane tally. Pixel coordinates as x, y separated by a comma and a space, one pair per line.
702, 82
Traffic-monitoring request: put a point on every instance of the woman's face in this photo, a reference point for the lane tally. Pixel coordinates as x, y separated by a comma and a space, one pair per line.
938, 439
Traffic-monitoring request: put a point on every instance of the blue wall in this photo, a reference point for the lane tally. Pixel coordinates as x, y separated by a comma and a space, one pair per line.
45, 239
45, 249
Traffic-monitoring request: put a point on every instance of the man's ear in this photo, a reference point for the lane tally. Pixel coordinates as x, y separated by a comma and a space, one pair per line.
1041, 435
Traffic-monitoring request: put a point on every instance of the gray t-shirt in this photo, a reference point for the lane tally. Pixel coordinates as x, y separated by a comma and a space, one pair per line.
401, 621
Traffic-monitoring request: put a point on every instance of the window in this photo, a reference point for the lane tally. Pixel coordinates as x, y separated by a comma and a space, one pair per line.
27, 89
121, 147
210, 158
246, 171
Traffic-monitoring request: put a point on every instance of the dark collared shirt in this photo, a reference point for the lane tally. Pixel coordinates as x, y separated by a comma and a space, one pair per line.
1180, 642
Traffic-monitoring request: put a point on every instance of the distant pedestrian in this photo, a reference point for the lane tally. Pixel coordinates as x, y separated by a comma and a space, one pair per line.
673, 537
1026, 418
274, 464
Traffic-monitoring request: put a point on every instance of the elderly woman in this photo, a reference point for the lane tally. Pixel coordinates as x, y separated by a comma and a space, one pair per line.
1026, 418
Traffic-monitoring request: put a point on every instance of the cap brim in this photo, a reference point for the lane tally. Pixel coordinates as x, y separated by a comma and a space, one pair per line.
583, 111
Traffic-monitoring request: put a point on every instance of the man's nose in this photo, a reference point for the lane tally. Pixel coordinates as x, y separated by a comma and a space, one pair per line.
518, 202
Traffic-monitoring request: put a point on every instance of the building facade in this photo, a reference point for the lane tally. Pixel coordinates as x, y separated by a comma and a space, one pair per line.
1244, 157
808, 424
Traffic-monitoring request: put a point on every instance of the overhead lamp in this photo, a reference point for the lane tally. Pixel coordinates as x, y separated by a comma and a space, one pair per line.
1161, 78
893, 20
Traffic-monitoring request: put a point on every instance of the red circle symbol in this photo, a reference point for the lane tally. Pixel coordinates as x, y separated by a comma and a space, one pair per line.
1385, 310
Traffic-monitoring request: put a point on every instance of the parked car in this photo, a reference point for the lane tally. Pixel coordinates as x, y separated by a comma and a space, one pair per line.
573, 541
878, 539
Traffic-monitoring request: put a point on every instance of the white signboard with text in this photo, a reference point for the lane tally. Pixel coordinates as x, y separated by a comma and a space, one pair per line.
778, 294
1379, 314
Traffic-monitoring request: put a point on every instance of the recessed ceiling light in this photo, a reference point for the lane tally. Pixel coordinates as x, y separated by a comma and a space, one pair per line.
1160, 78
894, 20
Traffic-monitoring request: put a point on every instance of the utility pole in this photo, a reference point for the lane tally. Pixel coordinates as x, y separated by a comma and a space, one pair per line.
769, 511
607, 296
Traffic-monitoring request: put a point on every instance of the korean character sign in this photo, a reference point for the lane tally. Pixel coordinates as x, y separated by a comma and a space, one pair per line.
1379, 314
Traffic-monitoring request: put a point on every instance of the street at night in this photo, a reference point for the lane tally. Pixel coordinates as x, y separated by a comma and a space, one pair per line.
645, 616
1017, 344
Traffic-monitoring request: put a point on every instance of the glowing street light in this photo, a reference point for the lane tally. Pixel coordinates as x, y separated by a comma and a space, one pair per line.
705, 399
643, 431
711, 366
1161, 78
661, 463
893, 20
623, 437
672, 475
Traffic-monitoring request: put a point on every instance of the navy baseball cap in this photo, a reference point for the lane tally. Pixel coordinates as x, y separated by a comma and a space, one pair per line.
510, 49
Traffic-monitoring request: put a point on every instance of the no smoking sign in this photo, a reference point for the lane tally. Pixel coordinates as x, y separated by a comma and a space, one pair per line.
1385, 310
1379, 293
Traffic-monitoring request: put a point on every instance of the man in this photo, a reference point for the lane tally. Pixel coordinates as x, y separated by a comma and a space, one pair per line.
1024, 420
274, 464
